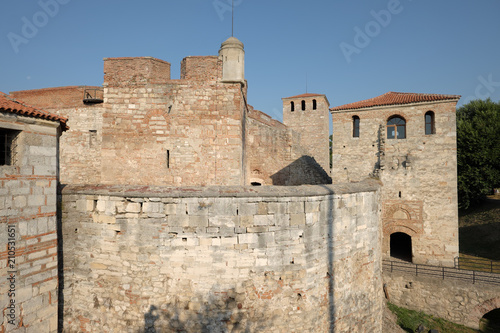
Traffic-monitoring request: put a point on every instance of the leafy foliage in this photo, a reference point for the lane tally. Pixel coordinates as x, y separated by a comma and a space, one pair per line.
478, 150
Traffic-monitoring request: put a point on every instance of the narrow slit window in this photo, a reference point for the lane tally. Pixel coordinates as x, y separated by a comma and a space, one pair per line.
168, 159
315, 104
429, 123
355, 127
292, 106
303, 105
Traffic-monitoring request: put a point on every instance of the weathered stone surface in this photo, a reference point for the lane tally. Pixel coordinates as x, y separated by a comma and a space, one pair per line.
419, 173
291, 278
28, 238
456, 300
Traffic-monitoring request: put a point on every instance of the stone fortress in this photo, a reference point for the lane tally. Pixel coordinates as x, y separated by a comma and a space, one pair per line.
162, 226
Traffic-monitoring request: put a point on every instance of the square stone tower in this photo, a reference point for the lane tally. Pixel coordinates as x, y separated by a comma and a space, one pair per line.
408, 141
307, 114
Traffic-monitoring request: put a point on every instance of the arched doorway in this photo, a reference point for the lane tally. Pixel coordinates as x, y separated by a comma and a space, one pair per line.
401, 246
490, 322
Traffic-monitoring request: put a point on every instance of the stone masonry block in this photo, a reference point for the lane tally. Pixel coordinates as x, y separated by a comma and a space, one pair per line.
297, 219
248, 238
223, 207
296, 207
100, 218
262, 208
198, 221
223, 221
260, 220
276, 208
246, 221
246, 208
133, 207
152, 207
312, 206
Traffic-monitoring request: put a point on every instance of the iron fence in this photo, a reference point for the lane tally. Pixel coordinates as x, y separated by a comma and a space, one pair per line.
477, 264
441, 272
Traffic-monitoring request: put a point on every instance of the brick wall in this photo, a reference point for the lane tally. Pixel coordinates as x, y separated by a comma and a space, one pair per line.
267, 259
135, 71
201, 68
28, 273
80, 147
419, 174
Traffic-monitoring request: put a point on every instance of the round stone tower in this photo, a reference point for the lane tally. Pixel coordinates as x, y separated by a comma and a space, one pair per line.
233, 60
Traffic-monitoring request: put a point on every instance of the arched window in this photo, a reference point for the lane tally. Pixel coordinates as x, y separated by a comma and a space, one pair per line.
355, 127
315, 105
429, 123
401, 247
303, 105
292, 106
396, 128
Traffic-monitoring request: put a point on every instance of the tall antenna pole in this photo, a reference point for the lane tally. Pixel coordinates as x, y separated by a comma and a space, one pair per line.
232, 18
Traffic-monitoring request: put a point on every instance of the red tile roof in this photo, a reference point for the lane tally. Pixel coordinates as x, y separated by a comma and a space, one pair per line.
8, 104
395, 98
304, 96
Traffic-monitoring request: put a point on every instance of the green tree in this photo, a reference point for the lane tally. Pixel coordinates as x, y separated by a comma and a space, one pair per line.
478, 150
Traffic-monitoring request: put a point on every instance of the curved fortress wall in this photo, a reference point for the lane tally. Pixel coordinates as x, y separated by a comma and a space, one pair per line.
225, 259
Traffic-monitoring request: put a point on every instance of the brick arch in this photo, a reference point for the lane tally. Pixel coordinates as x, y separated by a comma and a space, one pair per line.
390, 229
393, 228
480, 310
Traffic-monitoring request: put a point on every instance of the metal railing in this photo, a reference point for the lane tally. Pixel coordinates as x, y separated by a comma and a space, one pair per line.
477, 264
443, 273
93, 95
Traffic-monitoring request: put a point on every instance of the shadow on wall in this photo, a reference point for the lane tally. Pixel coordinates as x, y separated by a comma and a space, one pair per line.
303, 171
222, 314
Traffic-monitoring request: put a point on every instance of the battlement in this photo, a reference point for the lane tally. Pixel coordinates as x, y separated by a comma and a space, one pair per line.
134, 71
201, 68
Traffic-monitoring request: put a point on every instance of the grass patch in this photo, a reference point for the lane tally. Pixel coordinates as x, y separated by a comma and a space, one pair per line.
409, 321
479, 232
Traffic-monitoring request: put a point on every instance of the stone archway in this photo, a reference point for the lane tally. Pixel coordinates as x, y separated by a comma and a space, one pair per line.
401, 246
481, 310
490, 322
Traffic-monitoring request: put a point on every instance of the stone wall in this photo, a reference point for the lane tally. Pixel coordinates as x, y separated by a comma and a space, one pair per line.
275, 155
225, 259
80, 147
419, 174
28, 237
313, 124
458, 301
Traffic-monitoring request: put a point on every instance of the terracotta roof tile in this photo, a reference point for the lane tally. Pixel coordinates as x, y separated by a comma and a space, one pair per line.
8, 104
395, 98
304, 96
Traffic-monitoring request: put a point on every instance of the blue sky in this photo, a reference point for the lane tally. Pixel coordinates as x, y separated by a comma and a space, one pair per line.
349, 50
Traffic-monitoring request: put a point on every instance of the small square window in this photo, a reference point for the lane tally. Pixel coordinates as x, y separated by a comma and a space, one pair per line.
8, 146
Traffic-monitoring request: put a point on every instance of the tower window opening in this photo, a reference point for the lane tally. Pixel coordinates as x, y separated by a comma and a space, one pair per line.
401, 247
315, 104
168, 159
303, 105
429, 123
292, 106
355, 126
